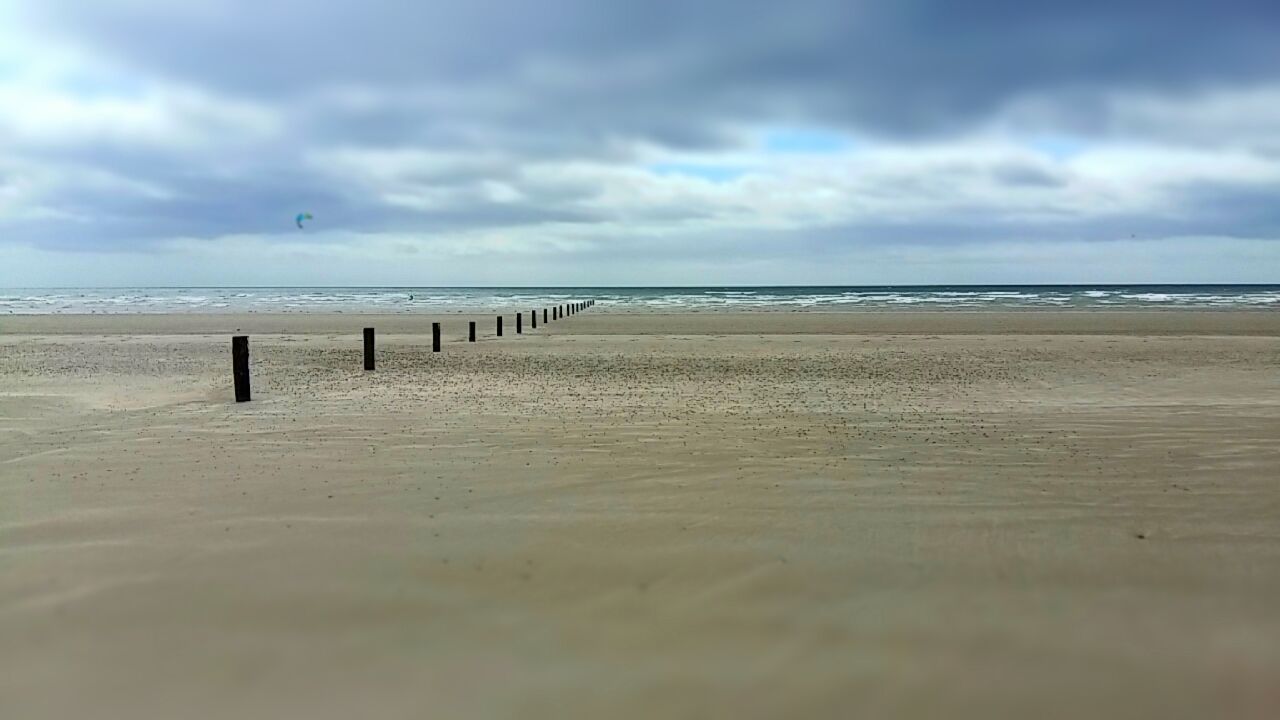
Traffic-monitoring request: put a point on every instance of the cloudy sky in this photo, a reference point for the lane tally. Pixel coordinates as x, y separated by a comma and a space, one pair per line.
482, 142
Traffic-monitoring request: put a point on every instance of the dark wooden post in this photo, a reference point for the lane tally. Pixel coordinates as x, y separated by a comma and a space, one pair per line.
544, 316
368, 348
533, 319
240, 366
499, 326
435, 337
519, 323
471, 337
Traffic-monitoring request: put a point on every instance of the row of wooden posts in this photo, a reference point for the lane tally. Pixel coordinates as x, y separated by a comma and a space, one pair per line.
240, 343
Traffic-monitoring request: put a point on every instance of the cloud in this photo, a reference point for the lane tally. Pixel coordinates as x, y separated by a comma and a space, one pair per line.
751, 130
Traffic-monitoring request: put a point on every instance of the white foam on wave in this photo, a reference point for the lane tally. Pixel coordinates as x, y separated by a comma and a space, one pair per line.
406, 300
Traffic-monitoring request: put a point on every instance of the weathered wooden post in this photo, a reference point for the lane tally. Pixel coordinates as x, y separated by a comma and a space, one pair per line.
544, 316
519, 323
533, 319
499, 326
435, 337
368, 348
240, 366
471, 336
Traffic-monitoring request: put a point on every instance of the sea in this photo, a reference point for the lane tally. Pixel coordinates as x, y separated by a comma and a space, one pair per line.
636, 299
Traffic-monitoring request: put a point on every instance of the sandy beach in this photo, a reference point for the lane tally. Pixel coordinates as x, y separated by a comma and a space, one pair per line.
737, 515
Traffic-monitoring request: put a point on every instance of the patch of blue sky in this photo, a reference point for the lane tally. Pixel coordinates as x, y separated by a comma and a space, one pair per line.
803, 140
92, 87
1059, 147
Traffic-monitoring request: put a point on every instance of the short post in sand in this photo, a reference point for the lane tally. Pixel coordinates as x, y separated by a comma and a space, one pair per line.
240, 366
533, 319
544, 316
368, 348
435, 337
519, 323
499, 326
471, 336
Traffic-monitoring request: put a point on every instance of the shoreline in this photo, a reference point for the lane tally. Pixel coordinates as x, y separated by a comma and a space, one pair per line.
600, 320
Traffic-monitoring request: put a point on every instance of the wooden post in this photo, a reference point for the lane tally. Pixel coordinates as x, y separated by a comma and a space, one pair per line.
240, 366
533, 319
519, 323
471, 337
435, 337
499, 326
544, 316
368, 348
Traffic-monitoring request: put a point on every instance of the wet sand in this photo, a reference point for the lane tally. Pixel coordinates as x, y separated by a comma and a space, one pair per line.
704, 515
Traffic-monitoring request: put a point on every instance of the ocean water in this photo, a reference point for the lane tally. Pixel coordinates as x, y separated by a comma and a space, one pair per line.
637, 299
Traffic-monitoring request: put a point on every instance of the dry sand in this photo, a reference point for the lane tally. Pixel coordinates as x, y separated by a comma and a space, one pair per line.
753, 515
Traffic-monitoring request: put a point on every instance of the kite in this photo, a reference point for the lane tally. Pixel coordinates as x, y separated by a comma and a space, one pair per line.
301, 217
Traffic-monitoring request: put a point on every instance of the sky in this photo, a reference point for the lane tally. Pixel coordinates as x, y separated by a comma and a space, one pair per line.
612, 142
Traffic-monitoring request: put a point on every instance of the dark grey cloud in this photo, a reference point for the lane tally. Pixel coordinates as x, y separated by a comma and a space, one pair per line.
672, 69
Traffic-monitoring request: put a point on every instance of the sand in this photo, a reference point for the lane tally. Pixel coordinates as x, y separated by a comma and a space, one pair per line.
719, 515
